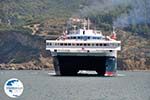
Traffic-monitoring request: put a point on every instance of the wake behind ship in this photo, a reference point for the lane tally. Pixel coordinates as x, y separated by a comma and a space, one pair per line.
81, 48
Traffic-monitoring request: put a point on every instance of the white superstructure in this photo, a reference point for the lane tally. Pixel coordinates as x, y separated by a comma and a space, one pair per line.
84, 42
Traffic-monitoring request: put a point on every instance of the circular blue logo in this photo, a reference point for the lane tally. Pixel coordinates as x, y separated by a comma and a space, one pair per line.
13, 88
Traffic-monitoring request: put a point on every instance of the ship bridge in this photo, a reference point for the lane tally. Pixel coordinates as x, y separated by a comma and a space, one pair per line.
82, 34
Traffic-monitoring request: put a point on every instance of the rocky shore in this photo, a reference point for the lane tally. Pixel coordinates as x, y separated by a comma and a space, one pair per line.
43, 63
25, 66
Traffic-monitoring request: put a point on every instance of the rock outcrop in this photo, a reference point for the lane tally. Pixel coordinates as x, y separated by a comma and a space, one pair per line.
20, 50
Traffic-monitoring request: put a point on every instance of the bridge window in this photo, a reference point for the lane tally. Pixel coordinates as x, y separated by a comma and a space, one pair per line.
61, 44
79, 37
81, 44
78, 44
93, 44
94, 37
65, 44
96, 44
83, 32
73, 44
69, 44
105, 44
48, 44
74, 37
55, 43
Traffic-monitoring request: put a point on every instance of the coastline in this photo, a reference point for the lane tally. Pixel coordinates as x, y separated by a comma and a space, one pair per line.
32, 66
26, 66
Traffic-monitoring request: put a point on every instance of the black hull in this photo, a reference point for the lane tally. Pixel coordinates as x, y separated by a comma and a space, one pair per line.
70, 65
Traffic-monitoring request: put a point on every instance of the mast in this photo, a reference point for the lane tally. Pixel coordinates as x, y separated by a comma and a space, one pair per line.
88, 24
84, 24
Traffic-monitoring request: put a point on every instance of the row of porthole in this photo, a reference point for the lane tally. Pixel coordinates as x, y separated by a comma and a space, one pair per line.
82, 44
55, 50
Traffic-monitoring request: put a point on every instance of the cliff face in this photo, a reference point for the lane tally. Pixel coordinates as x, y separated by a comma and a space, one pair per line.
16, 45
19, 49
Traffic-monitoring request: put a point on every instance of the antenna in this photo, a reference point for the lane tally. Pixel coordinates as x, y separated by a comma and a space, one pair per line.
114, 29
113, 36
84, 24
88, 23
74, 28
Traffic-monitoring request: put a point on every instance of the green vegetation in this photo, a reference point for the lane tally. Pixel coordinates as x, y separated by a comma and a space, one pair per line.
105, 20
21, 12
16, 13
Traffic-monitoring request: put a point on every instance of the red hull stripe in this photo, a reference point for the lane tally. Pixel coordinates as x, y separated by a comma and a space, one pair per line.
109, 73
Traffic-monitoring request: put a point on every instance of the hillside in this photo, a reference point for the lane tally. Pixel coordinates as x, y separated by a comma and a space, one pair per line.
21, 50
22, 12
25, 24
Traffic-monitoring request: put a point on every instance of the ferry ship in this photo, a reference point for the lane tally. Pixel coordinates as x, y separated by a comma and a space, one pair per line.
82, 48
